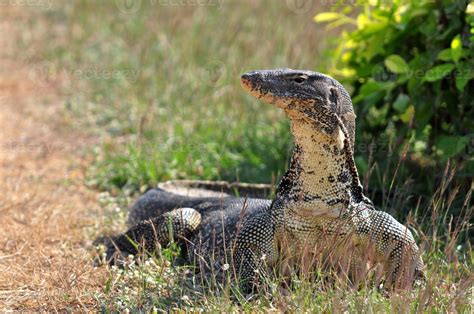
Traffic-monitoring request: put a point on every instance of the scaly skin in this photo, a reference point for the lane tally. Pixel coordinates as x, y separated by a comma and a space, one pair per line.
319, 201
320, 195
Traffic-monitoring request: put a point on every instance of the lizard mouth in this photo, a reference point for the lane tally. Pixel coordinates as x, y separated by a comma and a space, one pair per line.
248, 84
245, 81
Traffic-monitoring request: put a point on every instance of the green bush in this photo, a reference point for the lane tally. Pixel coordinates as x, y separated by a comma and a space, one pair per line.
411, 66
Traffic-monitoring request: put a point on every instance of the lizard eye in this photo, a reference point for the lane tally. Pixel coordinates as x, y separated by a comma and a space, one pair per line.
300, 79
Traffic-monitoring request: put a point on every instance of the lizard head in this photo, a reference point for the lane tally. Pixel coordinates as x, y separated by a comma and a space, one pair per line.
305, 96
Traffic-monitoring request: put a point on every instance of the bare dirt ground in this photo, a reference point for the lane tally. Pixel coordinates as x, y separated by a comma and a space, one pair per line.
47, 216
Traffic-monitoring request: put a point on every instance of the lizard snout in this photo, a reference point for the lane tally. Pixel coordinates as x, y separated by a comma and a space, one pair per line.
245, 80
249, 79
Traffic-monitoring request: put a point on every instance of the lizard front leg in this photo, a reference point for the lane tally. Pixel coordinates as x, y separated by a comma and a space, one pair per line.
255, 250
394, 245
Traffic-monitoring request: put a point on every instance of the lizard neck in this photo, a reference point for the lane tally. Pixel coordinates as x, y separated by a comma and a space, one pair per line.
319, 180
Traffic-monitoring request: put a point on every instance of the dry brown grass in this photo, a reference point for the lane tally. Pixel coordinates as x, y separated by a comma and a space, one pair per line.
46, 215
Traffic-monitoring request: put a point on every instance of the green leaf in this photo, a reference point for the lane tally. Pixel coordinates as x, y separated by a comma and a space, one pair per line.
449, 146
462, 78
401, 103
418, 12
445, 55
408, 115
337, 23
327, 17
363, 21
456, 48
396, 64
370, 87
438, 72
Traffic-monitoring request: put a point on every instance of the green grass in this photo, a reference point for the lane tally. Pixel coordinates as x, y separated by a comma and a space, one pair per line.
174, 107
158, 284
160, 89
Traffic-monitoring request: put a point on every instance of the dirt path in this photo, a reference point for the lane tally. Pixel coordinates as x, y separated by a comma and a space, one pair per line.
47, 216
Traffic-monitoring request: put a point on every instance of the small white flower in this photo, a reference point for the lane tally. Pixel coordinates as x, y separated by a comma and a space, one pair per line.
225, 267
186, 299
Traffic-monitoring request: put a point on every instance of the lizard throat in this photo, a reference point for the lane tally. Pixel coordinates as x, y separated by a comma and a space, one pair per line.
318, 180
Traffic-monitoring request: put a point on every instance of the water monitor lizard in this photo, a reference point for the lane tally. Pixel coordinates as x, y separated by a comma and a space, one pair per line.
319, 201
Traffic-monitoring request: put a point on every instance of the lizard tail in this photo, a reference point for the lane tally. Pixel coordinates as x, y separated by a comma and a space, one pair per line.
150, 235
